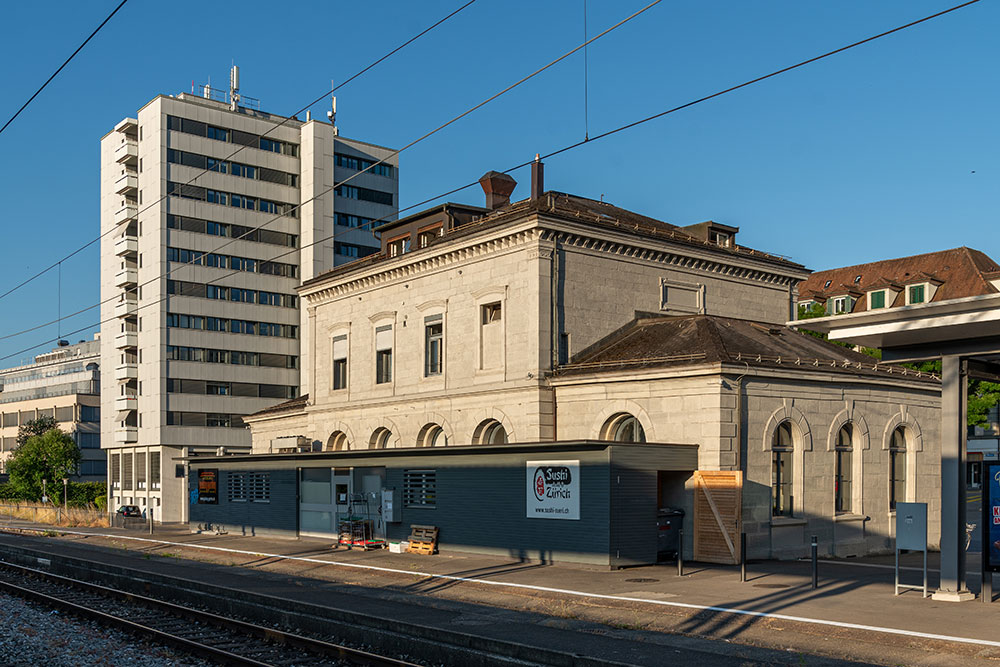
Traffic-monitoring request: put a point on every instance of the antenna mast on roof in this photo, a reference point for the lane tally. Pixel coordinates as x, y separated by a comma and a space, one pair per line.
332, 113
234, 88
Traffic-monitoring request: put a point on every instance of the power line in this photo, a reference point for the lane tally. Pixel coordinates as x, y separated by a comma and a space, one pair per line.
66, 62
238, 150
553, 153
366, 169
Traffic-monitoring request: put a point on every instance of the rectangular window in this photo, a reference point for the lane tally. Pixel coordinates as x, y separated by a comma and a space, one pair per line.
127, 471
781, 482
491, 313
433, 344
420, 488
64, 414
116, 471
259, 487
237, 487
877, 300
340, 362
90, 414
915, 294
154, 470
897, 477
88, 440
383, 354
140, 470
842, 481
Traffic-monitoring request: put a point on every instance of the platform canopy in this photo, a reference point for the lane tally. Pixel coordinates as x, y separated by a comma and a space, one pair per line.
965, 335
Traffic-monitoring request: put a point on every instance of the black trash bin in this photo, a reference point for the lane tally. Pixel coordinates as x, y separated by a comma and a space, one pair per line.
668, 522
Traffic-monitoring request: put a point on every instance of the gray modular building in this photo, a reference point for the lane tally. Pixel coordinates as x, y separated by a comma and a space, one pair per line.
582, 501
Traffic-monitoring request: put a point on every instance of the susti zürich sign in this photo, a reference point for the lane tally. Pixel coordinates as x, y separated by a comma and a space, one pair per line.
553, 489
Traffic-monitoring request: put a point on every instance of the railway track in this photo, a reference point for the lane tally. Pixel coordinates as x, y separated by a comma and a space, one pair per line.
209, 636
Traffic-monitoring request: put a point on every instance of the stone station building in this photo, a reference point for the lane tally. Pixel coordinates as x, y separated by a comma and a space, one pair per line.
560, 320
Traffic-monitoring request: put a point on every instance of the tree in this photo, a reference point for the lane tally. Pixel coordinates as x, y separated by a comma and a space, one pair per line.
817, 310
34, 427
51, 456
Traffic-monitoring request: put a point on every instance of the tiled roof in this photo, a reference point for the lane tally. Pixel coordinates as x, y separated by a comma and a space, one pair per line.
691, 340
959, 272
577, 209
293, 405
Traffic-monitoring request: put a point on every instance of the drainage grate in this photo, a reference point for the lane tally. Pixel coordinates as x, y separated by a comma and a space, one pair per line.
642, 580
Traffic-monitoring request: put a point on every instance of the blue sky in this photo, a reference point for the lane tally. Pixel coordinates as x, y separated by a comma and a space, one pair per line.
887, 150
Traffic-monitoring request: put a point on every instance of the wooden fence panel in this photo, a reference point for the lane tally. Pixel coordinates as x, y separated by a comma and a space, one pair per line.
718, 497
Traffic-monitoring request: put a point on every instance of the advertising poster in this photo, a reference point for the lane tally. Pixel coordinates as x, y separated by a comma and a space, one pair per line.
553, 489
208, 487
991, 515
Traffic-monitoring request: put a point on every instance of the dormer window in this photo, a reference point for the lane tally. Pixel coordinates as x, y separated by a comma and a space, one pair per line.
396, 247
916, 294
719, 238
839, 305
876, 300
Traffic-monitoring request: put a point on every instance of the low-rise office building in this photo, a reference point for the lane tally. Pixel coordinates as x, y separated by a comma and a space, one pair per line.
63, 384
561, 338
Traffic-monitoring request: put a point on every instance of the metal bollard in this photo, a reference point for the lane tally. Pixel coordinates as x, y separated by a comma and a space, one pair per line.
815, 562
987, 576
743, 557
680, 553
150, 513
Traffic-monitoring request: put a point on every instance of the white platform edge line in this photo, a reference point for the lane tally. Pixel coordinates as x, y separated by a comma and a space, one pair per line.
564, 591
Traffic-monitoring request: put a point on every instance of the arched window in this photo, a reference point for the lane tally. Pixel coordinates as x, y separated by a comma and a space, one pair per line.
490, 432
337, 442
897, 467
380, 438
842, 487
432, 435
782, 445
623, 427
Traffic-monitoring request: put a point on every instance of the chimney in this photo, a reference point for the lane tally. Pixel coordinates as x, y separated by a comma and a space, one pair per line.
498, 188
537, 178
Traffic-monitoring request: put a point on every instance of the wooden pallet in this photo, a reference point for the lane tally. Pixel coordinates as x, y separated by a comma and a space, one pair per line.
423, 540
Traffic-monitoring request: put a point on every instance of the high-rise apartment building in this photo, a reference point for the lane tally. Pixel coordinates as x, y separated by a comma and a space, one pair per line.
201, 320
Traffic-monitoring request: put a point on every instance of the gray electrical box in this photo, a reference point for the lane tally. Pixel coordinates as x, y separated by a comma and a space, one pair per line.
911, 526
391, 510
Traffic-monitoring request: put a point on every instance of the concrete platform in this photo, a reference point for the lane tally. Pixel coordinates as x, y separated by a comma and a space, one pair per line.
636, 616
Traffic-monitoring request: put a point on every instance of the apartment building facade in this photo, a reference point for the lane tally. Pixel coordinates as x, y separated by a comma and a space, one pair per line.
64, 384
201, 323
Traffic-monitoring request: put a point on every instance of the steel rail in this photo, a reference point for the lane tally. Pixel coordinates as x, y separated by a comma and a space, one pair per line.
271, 635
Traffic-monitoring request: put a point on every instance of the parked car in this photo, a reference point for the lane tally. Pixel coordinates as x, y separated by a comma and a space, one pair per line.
129, 510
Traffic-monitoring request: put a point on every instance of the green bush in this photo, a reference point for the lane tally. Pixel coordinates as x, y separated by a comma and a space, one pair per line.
82, 494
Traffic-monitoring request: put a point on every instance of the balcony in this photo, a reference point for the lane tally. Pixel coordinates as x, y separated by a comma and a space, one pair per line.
127, 152
128, 277
127, 308
126, 340
127, 185
127, 246
125, 404
126, 372
127, 213
127, 434
127, 126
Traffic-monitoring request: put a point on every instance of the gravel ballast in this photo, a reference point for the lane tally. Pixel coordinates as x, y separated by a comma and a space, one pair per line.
33, 635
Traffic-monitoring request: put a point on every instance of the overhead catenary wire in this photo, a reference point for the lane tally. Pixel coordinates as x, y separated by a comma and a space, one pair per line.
336, 185
242, 147
61, 67
553, 153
